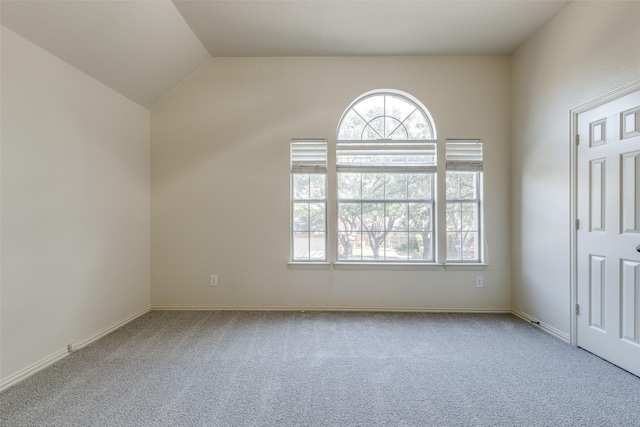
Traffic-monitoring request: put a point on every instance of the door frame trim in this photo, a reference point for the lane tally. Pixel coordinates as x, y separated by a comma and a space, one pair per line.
573, 156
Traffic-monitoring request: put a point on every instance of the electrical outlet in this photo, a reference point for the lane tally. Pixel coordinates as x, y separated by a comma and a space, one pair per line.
72, 347
214, 280
479, 282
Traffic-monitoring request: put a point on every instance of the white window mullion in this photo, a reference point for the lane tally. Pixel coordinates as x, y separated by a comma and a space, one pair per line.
440, 207
332, 207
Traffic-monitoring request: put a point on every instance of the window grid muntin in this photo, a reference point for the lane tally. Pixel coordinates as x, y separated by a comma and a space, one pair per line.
384, 201
429, 129
308, 231
460, 230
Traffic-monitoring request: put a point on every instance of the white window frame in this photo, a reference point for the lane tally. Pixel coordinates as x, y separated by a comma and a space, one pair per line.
465, 156
446, 159
308, 157
415, 154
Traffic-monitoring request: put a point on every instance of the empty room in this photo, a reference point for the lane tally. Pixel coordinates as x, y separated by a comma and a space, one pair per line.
320, 213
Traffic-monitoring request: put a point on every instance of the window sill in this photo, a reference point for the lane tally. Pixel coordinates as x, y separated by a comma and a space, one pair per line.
465, 266
397, 266
402, 266
309, 265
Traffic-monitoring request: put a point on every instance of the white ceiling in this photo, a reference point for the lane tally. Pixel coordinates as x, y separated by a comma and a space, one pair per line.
317, 28
145, 48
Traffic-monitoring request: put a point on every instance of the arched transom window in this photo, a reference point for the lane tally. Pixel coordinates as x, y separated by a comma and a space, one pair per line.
386, 115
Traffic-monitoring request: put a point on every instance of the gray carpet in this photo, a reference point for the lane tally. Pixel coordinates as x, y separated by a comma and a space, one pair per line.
326, 369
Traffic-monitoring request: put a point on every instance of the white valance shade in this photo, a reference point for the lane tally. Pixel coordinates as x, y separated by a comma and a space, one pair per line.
386, 155
464, 154
309, 155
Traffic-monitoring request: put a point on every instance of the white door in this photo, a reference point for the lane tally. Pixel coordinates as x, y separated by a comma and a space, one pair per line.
608, 237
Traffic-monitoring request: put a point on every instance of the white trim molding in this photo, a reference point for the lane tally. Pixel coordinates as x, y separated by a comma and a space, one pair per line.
573, 188
546, 328
62, 353
32, 369
328, 308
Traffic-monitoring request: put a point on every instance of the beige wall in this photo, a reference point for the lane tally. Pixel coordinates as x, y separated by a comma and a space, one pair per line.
75, 206
220, 179
589, 49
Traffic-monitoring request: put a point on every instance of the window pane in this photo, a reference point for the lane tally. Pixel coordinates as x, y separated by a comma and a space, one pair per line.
349, 186
300, 217
370, 107
454, 250
372, 246
349, 217
378, 127
420, 186
396, 129
396, 217
421, 246
317, 216
317, 186
372, 185
398, 107
469, 216
370, 132
453, 186
351, 126
317, 244
373, 217
469, 252
395, 186
468, 187
300, 186
454, 217
417, 126
397, 246
349, 246
462, 185
300, 245
420, 216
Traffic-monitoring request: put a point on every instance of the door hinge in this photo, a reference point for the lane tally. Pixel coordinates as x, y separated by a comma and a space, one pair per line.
577, 309
577, 139
577, 224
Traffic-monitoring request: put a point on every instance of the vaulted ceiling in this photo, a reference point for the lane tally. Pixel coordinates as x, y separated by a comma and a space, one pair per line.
145, 48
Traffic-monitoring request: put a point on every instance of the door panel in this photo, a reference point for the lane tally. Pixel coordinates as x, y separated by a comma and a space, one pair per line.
598, 213
630, 197
597, 288
608, 204
630, 291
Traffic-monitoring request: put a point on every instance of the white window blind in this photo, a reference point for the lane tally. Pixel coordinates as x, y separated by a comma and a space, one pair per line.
386, 155
309, 156
464, 154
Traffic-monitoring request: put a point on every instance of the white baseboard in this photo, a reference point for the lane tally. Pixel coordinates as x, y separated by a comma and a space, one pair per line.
32, 369
327, 308
546, 328
60, 354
